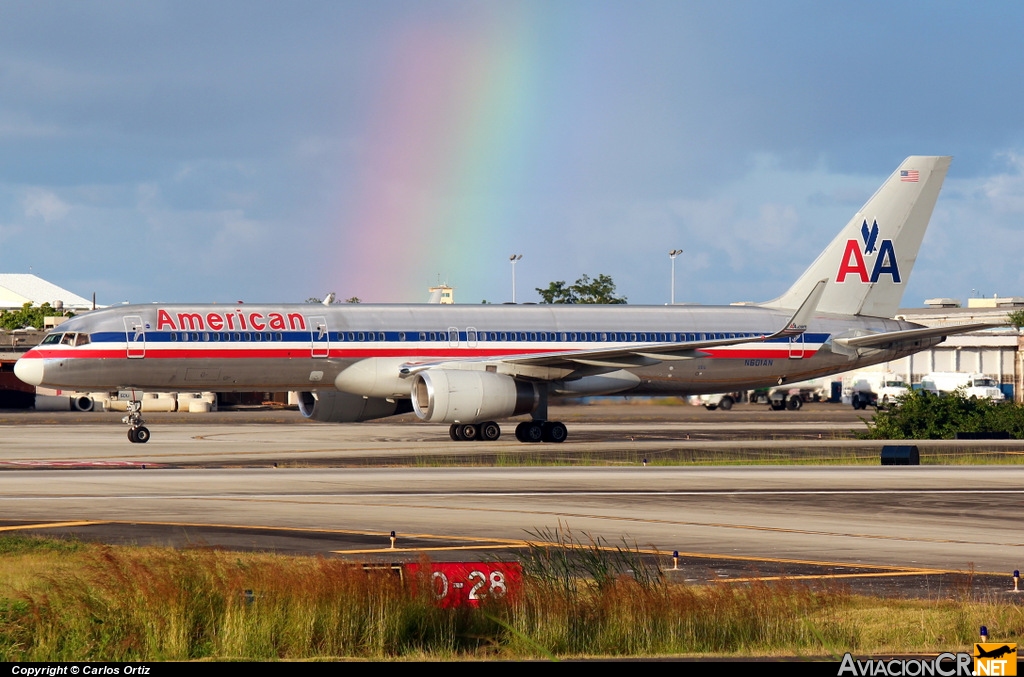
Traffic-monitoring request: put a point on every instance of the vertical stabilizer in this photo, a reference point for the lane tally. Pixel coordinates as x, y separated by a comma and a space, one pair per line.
869, 263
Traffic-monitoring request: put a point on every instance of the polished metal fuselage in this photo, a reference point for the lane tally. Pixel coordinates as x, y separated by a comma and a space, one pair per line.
307, 346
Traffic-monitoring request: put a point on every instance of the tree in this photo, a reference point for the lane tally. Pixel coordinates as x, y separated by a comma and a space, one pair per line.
1016, 318
331, 296
28, 316
600, 289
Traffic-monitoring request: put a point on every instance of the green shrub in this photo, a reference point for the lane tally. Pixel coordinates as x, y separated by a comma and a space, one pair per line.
923, 416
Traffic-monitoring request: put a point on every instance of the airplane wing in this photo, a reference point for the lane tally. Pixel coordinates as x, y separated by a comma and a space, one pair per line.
896, 339
647, 354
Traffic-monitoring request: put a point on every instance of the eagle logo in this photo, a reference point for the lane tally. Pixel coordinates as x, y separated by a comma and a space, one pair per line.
869, 236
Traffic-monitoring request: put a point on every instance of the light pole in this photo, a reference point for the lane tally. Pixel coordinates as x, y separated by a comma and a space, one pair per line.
672, 255
513, 259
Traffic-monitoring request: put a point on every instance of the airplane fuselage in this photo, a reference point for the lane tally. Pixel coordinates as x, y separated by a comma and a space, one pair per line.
314, 347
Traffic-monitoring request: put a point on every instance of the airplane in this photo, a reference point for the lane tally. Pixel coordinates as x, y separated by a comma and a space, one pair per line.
469, 366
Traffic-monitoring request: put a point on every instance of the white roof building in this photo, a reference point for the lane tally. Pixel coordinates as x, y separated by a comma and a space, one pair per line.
17, 289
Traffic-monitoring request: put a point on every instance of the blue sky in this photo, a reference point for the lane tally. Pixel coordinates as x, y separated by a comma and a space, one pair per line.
196, 151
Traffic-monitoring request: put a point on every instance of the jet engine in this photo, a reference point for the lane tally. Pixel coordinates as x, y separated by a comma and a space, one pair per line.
456, 396
329, 406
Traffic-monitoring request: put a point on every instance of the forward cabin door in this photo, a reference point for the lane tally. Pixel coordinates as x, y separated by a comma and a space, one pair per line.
320, 337
135, 336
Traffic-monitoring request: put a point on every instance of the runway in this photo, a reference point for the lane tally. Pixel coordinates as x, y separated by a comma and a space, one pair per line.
730, 521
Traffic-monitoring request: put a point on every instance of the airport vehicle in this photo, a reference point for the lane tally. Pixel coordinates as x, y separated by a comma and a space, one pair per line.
973, 385
793, 395
723, 401
876, 389
471, 365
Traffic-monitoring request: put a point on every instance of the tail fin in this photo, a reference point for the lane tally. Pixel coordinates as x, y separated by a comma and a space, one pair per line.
869, 262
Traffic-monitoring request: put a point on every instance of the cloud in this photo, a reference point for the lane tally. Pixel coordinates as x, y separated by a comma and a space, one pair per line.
44, 204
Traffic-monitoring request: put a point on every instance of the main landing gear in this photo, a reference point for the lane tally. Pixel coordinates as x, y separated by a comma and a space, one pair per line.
527, 431
463, 432
138, 433
541, 431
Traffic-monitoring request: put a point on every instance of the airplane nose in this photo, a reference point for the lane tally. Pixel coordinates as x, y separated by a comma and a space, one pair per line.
29, 370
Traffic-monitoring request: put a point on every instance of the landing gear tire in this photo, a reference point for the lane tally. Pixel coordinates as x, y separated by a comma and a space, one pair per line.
138, 435
470, 431
726, 404
554, 431
490, 431
530, 431
455, 432
794, 403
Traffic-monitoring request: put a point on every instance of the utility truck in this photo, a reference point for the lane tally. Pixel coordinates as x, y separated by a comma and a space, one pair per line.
973, 385
878, 389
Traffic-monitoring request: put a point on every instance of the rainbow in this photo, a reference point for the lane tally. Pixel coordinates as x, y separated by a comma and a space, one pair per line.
447, 158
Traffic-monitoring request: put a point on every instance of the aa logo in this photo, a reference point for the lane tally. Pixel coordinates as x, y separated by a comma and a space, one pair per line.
995, 659
854, 263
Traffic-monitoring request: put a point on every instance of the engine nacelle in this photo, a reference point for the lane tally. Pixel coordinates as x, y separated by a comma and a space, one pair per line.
457, 396
329, 406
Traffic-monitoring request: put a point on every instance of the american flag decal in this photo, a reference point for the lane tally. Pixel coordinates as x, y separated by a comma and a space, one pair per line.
909, 175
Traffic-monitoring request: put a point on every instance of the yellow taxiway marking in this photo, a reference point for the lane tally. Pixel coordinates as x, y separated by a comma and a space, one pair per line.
433, 549
809, 577
617, 518
52, 525
315, 530
487, 543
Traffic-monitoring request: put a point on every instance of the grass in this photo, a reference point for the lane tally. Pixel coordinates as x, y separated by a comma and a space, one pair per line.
580, 597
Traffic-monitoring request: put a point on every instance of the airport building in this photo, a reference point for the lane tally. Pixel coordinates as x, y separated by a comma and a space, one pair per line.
17, 289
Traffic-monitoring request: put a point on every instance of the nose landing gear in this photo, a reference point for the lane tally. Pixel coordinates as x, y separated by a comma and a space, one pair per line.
138, 433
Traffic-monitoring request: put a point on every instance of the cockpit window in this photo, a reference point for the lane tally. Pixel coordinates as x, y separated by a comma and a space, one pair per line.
66, 339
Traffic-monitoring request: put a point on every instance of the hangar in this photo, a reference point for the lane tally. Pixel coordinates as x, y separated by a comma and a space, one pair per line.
17, 289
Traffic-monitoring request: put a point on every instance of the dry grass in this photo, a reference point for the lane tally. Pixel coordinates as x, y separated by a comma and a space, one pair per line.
579, 598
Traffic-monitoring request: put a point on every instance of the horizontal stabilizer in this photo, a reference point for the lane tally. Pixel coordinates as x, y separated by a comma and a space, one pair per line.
896, 339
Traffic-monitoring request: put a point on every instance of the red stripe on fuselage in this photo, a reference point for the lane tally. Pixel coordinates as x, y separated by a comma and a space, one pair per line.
304, 352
